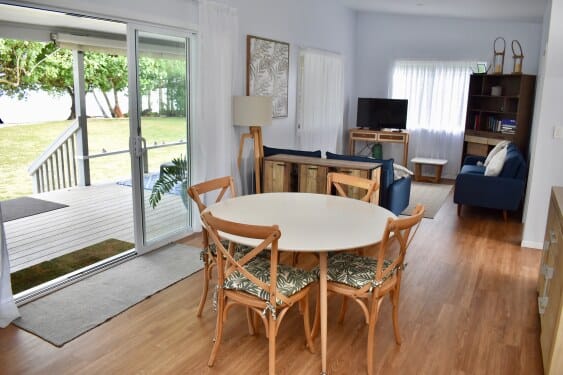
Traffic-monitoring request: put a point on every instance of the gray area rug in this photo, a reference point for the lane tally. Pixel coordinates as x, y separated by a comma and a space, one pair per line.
432, 196
17, 208
69, 312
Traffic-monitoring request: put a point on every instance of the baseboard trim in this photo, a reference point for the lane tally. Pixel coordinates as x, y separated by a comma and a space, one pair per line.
532, 244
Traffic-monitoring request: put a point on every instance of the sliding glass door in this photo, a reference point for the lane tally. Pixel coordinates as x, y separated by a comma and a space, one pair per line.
160, 117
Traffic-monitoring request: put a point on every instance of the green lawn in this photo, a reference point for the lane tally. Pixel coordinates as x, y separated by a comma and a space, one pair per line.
21, 145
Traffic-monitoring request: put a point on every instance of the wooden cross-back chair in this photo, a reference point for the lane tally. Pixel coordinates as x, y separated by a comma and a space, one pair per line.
344, 183
367, 280
225, 187
266, 288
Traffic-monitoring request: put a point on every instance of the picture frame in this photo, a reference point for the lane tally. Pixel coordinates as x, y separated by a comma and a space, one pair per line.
267, 71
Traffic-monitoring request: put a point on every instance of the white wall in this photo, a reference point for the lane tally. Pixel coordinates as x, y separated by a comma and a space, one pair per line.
546, 165
318, 24
383, 38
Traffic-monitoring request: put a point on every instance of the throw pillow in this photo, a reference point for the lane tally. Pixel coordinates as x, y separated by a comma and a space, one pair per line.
399, 172
497, 162
499, 146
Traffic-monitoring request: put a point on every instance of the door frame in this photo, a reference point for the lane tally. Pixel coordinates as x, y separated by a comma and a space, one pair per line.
135, 144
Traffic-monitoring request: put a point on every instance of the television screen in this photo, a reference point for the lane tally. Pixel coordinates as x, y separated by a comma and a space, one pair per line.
379, 113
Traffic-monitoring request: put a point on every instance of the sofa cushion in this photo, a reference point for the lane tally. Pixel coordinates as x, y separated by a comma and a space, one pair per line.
496, 163
473, 169
269, 151
499, 146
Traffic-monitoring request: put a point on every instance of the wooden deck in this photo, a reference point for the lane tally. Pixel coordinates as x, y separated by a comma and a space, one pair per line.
94, 214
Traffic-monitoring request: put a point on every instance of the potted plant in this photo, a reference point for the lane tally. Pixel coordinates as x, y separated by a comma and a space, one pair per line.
171, 174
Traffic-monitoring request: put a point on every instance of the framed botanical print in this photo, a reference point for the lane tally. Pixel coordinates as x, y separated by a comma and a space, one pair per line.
267, 71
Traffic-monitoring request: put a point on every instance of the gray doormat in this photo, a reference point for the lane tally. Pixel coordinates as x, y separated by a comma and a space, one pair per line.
432, 196
18, 208
72, 311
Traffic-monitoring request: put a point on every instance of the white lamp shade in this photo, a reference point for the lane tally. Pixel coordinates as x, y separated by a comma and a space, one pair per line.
252, 110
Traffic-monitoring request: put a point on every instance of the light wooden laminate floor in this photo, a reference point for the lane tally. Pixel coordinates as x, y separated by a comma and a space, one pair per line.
468, 306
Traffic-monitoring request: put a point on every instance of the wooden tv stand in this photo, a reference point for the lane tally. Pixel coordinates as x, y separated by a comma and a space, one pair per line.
379, 136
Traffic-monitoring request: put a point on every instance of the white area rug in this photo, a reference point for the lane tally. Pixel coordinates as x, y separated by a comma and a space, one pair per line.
432, 196
68, 313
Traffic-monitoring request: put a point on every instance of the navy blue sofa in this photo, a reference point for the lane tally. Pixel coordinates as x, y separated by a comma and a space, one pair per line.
503, 192
393, 195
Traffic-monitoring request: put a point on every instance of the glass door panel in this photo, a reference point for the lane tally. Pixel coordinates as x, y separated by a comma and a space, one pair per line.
160, 129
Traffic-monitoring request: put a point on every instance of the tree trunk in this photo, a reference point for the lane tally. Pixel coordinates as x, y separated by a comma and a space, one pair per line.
116, 109
149, 100
72, 115
108, 103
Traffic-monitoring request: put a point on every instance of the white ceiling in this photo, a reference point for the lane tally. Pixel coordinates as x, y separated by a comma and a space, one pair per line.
515, 10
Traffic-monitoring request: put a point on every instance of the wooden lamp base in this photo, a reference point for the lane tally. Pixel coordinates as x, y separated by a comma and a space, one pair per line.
256, 134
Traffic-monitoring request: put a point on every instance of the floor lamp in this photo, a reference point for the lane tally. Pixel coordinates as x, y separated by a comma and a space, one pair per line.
255, 112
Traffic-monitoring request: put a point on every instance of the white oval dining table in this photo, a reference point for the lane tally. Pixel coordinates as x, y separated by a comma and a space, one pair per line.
308, 222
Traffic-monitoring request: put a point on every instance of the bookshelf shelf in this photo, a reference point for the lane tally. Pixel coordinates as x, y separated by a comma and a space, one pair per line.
493, 118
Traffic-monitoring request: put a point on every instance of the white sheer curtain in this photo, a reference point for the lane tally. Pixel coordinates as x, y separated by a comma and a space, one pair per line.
8, 309
214, 143
437, 95
321, 101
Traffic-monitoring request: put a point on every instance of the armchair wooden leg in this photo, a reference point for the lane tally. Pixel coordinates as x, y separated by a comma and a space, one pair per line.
317, 318
374, 314
272, 345
203, 298
394, 295
307, 324
218, 331
250, 321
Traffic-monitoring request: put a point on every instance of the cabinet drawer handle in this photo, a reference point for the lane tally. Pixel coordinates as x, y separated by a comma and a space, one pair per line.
280, 164
313, 168
542, 304
553, 236
547, 271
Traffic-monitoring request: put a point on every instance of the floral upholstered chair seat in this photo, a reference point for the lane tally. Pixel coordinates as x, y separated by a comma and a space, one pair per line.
240, 250
353, 270
290, 280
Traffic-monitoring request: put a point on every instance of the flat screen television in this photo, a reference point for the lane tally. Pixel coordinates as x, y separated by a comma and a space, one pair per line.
379, 113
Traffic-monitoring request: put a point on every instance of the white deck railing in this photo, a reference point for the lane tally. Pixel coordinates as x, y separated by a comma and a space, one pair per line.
56, 167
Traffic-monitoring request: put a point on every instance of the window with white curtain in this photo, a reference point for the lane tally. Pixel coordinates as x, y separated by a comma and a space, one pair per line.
437, 95
320, 108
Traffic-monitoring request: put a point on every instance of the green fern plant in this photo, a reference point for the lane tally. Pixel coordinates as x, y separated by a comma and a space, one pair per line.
170, 175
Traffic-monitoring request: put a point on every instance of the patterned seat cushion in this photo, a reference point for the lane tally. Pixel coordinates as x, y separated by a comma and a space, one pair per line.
352, 270
240, 250
290, 280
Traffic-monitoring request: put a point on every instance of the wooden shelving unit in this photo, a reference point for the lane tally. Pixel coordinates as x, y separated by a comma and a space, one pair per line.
493, 118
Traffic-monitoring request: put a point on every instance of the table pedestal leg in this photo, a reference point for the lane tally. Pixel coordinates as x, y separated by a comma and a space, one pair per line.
323, 302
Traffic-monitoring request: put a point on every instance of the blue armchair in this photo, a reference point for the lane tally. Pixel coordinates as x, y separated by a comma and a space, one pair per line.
503, 192
393, 194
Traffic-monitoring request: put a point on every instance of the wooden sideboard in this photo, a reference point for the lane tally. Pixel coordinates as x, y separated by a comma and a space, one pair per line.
286, 173
376, 136
550, 287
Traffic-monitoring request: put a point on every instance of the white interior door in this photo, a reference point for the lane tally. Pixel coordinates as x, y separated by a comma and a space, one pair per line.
160, 115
